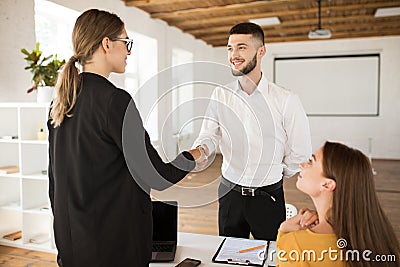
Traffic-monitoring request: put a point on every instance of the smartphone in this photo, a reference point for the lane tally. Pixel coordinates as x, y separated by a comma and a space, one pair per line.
188, 262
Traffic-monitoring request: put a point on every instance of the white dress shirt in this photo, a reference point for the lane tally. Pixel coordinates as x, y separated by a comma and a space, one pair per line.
263, 136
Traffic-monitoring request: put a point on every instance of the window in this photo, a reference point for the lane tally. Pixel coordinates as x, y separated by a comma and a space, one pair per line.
54, 34
53, 31
182, 97
143, 66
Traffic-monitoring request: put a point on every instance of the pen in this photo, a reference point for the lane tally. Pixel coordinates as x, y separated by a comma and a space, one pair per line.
250, 249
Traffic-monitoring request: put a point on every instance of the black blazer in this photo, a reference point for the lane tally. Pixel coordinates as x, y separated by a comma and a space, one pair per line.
102, 208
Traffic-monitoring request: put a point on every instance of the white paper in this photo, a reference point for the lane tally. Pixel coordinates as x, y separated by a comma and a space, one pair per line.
229, 251
272, 251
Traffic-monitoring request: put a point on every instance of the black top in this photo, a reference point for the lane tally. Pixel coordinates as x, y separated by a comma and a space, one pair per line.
102, 217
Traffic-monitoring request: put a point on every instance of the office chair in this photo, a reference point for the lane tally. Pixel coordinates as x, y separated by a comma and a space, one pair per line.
290, 211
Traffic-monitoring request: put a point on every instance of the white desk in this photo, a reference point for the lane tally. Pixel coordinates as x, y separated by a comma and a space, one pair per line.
196, 246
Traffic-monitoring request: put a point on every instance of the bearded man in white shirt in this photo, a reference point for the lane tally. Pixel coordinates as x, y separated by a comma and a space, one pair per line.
263, 134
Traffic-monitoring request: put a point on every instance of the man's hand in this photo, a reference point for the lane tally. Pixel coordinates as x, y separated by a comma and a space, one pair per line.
304, 219
200, 154
205, 149
202, 162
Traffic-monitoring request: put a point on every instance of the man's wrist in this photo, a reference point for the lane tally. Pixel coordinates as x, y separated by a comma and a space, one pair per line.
202, 151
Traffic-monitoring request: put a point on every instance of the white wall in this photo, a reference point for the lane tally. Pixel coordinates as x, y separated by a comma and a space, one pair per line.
17, 28
355, 131
17, 31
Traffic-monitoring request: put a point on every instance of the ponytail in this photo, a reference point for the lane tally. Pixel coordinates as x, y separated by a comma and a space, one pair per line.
66, 93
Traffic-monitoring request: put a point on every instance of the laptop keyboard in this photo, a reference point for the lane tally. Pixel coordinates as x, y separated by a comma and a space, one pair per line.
162, 248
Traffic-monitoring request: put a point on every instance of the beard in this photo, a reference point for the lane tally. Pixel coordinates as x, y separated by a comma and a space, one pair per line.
246, 69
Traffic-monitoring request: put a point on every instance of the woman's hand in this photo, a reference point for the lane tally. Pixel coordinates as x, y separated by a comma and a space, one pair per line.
304, 219
309, 218
196, 153
200, 153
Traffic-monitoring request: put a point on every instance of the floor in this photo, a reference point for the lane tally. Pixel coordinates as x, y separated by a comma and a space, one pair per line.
200, 212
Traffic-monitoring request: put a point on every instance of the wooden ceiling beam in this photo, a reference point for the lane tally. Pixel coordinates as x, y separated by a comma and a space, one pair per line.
349, 27
340, 23
178, 5
284, 24
216, 11
337, 35
141, 3
343, 35
190, 23
212, 19
223, 8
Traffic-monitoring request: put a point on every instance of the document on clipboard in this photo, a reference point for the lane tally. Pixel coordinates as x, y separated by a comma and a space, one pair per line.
241, 251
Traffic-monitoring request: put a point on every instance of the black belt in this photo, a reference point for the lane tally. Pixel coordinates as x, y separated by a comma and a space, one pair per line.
253, 191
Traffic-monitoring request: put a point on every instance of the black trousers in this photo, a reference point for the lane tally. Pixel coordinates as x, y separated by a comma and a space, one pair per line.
239, 215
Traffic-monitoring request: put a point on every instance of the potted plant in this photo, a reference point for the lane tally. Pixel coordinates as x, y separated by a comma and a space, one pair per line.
45, 72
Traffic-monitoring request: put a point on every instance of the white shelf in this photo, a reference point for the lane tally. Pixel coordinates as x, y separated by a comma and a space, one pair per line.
15, 243
11, 175
35, 176
9, 141
24, 105
23, 194
39, 210
35, 142
15, 205
45, 247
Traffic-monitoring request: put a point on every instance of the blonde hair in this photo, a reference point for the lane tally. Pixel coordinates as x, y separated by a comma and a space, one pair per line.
89, 30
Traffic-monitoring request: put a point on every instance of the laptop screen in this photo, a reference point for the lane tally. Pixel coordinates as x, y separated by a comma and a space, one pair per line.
165, 221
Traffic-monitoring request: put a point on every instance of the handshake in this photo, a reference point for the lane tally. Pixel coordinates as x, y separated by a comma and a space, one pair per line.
200, 155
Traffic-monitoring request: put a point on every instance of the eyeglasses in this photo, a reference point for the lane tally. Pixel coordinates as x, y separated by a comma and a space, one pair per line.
128, 42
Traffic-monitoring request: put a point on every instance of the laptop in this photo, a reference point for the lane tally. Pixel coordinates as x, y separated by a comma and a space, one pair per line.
165, 231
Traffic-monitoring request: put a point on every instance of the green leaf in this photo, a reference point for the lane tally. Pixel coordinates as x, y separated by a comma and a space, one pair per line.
23, 50
44, 69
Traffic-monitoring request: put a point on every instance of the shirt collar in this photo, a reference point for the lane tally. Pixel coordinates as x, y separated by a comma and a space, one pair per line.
262, 86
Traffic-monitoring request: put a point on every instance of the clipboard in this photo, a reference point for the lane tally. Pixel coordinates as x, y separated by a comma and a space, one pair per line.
228, 252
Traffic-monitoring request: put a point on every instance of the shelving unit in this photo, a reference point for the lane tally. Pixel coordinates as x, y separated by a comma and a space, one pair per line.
24, 202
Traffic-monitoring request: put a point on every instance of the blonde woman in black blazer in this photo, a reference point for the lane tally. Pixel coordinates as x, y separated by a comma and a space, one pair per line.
99, 197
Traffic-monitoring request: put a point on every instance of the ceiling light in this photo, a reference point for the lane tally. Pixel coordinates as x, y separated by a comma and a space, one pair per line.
319, 33
266, 21
387, 12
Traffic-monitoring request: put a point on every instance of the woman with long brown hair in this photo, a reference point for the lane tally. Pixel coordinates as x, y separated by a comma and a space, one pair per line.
353, 229
99, 194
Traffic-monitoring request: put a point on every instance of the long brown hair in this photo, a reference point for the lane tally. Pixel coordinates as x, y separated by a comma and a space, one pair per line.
356, 214
89, 30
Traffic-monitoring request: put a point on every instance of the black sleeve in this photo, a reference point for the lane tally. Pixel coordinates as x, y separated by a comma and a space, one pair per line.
50, 169
126, 129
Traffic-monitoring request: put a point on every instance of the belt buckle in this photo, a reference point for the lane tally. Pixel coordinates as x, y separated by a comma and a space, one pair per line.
247, 191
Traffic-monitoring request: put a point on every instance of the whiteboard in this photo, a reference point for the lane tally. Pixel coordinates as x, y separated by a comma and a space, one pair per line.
332, 85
